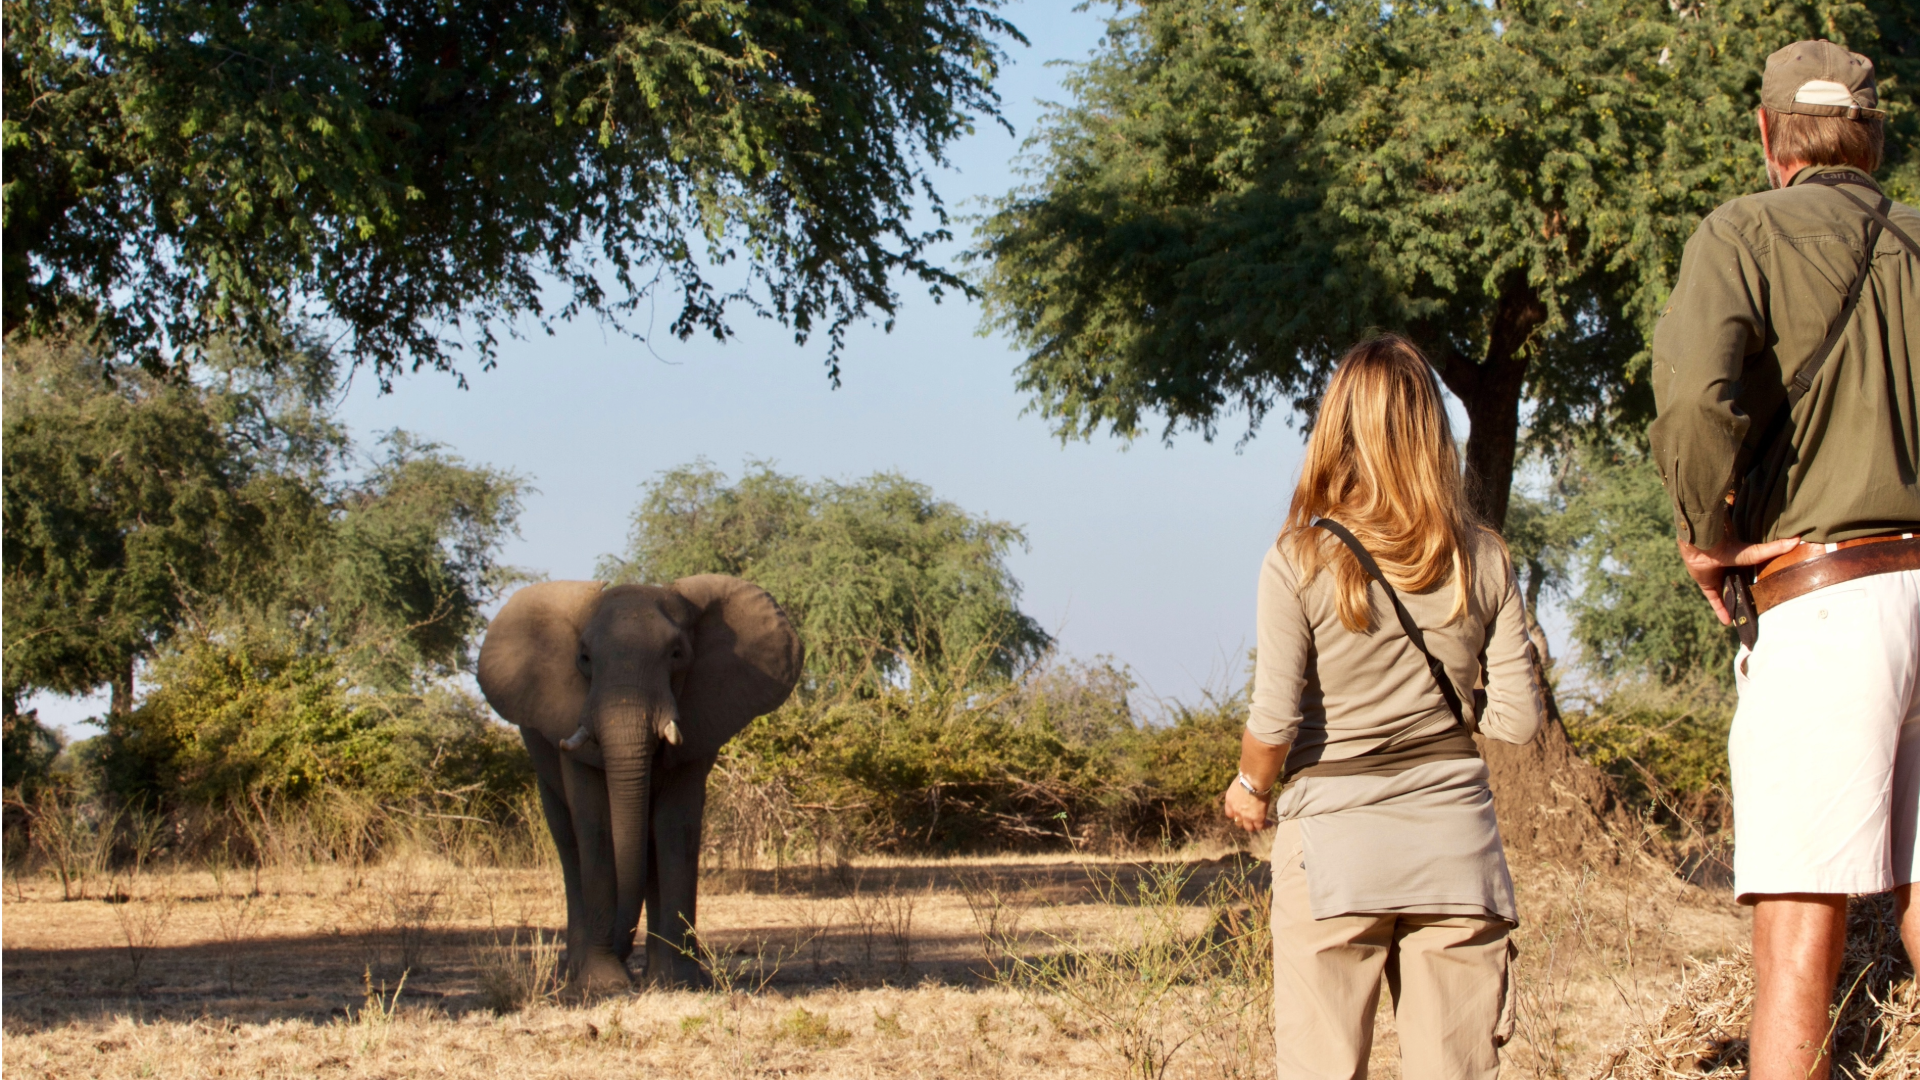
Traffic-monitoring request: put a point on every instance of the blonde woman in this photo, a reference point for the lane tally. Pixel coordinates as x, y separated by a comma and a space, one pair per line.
1390, 631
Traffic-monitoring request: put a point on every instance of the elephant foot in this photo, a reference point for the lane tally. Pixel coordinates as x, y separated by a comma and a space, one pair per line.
601, 974
670, 970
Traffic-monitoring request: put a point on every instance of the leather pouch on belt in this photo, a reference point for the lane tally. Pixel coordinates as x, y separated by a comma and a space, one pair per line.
1736, 592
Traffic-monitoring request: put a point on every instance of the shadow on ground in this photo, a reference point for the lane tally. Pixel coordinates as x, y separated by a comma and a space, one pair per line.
324, 976
1050, 882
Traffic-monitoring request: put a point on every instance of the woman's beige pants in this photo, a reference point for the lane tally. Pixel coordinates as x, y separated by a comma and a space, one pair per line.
1447, 974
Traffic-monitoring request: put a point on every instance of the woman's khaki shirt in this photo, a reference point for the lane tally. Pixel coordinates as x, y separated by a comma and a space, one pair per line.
1334, 694
1423, 839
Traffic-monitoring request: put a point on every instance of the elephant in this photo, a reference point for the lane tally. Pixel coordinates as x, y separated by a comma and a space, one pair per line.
624, 695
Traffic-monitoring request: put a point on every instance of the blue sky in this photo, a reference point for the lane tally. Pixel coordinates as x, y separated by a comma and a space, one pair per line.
1146, 552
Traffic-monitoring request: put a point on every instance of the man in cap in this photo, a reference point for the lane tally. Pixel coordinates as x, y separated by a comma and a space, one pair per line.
1786, 370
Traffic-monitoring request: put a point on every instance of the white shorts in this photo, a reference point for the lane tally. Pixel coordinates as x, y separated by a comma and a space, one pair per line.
1825, 749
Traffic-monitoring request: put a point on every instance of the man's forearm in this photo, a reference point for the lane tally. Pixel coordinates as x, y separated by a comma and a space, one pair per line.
1696, 468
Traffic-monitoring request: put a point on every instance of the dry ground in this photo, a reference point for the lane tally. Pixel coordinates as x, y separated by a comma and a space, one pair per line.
879, 969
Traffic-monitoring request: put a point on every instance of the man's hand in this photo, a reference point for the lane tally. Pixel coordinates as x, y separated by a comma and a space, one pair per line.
1708, 566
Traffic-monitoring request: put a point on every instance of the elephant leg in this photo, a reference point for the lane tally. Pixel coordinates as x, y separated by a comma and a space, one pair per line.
679, 805
553, 801
604, 945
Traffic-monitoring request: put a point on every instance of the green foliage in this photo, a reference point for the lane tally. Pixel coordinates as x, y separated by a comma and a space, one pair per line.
923, 777
136, 506
1057, 760
1606, 528
27, 751
246, 715
1659, 740
405, 562
1185, 766
1666, 749
421, 172
1237, 191
126, 496
881, 578
299, 620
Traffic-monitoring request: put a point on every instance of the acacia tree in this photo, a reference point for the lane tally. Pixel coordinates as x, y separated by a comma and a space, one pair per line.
419, 171
1238, 190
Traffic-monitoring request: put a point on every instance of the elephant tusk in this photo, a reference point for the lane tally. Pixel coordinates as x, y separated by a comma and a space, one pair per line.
576, 740
671, 733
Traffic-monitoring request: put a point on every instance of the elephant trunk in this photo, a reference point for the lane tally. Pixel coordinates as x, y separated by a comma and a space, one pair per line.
627, 741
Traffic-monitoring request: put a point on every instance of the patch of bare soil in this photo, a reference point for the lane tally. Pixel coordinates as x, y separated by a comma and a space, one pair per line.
420, 967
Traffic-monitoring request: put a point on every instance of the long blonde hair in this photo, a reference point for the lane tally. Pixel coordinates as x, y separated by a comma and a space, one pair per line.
1382, 462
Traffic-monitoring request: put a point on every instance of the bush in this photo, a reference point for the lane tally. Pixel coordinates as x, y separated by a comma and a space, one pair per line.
1664, 746
1184, 769
242, 716
1056, 761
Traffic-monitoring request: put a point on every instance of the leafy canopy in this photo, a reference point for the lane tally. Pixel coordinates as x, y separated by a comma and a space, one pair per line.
1236, 191
881, 578
417, 172
139, 507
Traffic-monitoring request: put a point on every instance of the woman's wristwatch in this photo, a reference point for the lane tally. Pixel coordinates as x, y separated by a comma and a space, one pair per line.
1251, 790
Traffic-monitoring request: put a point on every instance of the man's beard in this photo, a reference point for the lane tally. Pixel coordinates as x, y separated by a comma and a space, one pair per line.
1773, 175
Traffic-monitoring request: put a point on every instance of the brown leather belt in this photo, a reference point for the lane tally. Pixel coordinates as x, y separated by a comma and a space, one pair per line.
1816, 566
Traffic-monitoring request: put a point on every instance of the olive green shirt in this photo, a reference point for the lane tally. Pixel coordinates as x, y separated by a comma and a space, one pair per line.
1762, 280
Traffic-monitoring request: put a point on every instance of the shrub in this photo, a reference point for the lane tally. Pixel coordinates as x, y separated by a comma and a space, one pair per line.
244, 716
1184, 768
1664, 746
1056, 760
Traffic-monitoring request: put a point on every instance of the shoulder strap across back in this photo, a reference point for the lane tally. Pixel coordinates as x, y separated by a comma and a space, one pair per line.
1412, 629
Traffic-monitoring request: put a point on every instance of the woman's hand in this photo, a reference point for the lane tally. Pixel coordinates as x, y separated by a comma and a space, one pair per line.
1245, 809
1261, 763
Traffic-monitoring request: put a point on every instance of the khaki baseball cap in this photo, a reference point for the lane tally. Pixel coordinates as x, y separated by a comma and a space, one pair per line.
1819, 78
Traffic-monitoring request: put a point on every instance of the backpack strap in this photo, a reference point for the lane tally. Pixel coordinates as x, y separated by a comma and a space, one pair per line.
1879, 214
1412, 629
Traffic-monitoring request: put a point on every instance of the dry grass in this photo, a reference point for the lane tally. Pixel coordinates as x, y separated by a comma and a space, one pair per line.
1603, 950
1876, 1029
879, 968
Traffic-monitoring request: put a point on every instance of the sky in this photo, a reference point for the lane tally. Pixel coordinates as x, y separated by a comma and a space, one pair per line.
1143, 551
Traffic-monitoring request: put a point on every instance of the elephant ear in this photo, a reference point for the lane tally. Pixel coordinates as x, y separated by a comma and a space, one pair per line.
527, 669
746, 660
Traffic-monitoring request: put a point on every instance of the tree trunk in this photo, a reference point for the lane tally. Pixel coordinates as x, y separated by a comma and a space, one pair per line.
1551, 803
121, 703
1491, 392
1493, 441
